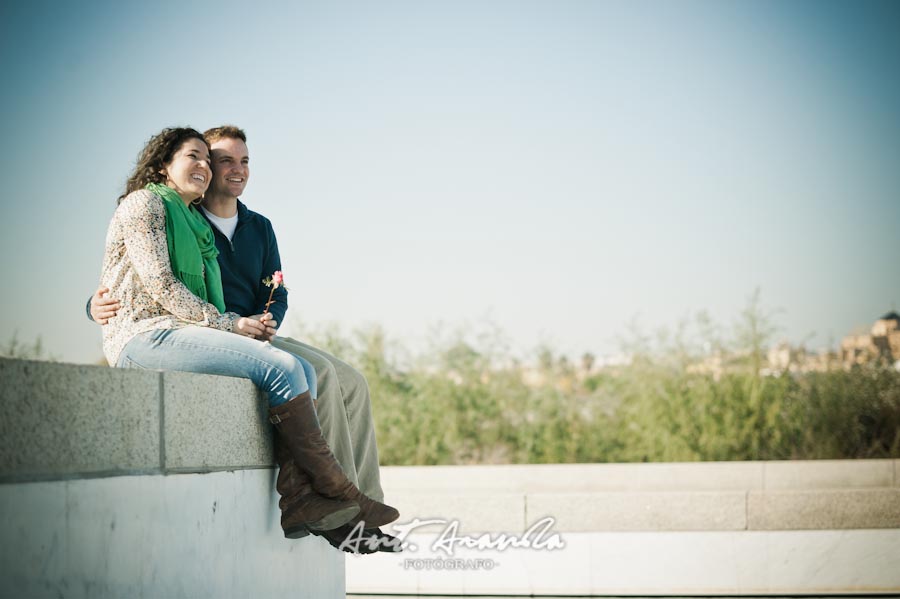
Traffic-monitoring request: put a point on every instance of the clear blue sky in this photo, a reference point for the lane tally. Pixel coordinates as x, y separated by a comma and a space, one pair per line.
564, 166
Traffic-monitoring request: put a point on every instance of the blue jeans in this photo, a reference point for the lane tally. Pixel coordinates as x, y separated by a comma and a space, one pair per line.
281, 375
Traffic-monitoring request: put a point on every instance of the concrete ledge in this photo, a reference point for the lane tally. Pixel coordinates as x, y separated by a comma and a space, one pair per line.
825, 509
69, 421
673, 511
658, 511
672, 476
214, 422
548, 478
62, 420
474, 513
825, 474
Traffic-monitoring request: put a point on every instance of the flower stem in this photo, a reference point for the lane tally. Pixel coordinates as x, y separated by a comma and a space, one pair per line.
270, 302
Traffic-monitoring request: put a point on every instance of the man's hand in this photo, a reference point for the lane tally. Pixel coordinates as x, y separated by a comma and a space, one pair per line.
250, 327
269, 323
103, 307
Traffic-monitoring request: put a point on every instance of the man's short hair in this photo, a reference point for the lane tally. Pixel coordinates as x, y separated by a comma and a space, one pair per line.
224, 132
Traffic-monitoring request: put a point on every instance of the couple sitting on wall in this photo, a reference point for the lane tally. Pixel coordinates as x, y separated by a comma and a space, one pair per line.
183, 288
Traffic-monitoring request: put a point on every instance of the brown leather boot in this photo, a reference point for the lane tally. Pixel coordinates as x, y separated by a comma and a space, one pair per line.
302, 509
370, 511
298, 426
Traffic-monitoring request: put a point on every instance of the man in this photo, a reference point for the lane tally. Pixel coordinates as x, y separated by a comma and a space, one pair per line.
248, 253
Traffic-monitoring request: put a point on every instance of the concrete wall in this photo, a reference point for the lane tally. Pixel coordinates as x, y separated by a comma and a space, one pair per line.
700, 496
129, 483
730, 528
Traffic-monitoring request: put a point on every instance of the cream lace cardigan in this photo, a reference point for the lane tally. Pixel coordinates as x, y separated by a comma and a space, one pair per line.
137, 270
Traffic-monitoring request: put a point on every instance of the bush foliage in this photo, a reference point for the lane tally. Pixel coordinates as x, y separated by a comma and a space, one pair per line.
467, 401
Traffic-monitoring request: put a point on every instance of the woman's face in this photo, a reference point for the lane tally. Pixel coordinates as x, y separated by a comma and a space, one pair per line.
188, 172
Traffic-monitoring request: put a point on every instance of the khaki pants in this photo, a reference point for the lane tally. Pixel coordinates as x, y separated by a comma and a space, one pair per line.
345, 414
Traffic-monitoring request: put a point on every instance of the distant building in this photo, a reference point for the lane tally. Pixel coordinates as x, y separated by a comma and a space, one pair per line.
882, 342
784, 357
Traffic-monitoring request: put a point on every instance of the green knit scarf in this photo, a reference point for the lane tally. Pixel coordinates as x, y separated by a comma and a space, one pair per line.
192, 247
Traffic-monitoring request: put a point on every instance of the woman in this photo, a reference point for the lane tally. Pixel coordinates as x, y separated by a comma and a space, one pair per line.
160, 259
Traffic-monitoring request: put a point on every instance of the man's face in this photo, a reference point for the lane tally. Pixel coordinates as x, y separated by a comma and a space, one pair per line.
230, 167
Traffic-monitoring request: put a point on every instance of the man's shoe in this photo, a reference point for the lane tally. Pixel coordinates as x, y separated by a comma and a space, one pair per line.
386, 543
344, 539
354, 539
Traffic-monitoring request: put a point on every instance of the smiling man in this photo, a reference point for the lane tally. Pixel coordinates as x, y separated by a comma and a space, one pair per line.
248, 253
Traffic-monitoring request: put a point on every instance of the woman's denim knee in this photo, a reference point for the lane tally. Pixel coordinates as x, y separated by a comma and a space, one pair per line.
299, 375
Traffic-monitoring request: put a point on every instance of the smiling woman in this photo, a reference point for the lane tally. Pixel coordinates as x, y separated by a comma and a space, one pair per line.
177, 156
188, 171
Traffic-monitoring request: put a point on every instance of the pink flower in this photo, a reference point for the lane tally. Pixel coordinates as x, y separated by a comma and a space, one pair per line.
274, 281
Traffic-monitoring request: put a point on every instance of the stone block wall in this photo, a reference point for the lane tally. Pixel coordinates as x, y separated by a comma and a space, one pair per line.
134, 483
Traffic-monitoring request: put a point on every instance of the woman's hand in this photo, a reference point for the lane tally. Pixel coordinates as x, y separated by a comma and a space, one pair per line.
103, 307
249, 327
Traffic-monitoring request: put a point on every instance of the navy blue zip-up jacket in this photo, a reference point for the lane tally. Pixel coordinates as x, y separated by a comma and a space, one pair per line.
250, 256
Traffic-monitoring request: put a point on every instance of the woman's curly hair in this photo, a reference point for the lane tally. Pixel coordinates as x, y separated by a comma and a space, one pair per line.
153, 158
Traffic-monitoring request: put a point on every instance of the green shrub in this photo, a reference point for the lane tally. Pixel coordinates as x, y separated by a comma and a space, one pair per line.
465, 401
